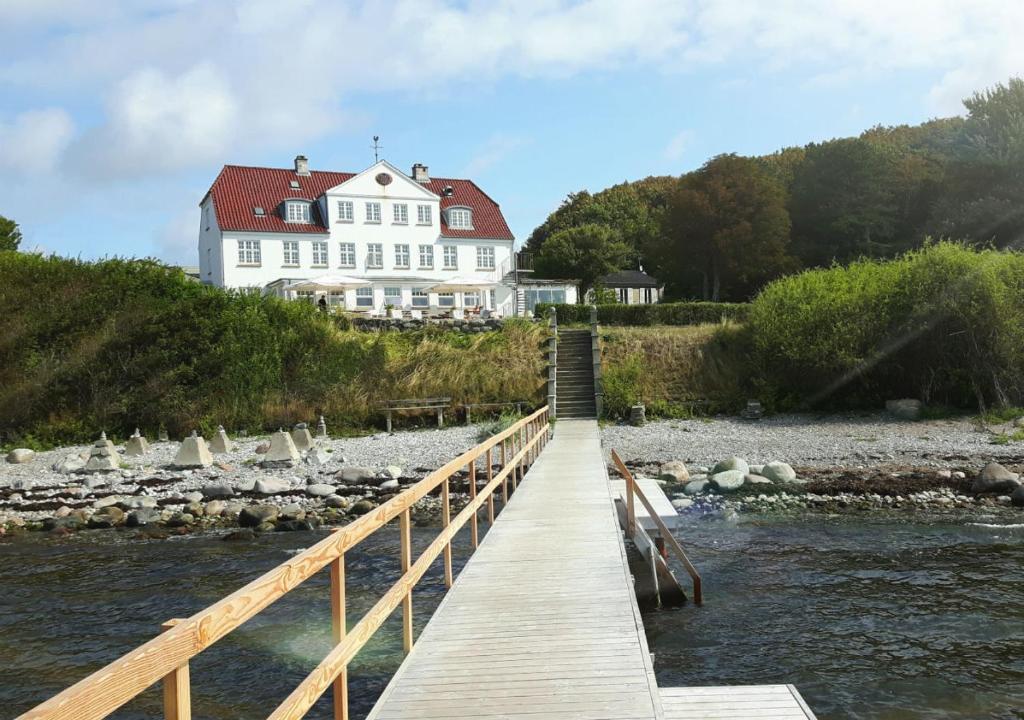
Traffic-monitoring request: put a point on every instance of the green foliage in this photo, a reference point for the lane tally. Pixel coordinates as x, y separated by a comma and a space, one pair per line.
10, 234
684, 313
118, 344
503, 422
725, 230
583, 253
622, 385
944, 323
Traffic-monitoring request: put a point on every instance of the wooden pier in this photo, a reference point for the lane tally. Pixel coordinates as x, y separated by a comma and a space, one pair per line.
541, 623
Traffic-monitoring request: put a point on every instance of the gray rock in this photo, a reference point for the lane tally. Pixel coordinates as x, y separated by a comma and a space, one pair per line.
256, 515
95, 481
674, 471
138, 502
19, 456
193, 497
336, 501
292, 511
262, 448
245, 484
217, 490
320, 490
316, 457
733, 463
728, 480
1017, 497
271, 486
214, 508
22, 484
109, 501
142, 516
682, 503
391, 472
389, 485
995, 478
752, 479
779, 472
904, 409
695, 487
68, 464
363, 506
356, 475
181, 519
106, 517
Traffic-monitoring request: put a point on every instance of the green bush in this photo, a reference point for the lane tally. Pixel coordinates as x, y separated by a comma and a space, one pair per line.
123, 343
944, 324
682, 313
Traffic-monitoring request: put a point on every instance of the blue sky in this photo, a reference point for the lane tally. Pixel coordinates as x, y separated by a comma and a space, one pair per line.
115, 117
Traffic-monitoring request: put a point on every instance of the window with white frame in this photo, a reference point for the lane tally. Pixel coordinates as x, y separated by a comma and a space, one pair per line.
426, 257
484, 257
249, 252
336, 298
291, 252
446, 299
393, 296
451, 257
373, 212
424, 215
320, 253
345, 211
347, 255
364, 297
374, 255
400, 212
471, 298
420, 299
460, 218
297, 211
401, 256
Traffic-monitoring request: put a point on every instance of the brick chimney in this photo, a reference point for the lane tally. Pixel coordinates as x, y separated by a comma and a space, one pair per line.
301, 165
419, 173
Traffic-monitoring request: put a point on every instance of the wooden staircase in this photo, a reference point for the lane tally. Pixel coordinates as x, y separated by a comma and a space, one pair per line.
574, 389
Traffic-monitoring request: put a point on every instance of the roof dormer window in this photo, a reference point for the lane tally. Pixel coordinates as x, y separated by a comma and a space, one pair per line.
294, 184
296, 211
460, 218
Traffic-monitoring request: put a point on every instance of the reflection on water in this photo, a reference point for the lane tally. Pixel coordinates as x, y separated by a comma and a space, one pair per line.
870, 619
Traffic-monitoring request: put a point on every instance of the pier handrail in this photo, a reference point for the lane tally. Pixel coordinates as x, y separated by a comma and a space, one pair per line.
633, 488
166, 656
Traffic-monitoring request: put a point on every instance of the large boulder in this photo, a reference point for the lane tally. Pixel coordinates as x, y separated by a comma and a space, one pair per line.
319, 490
256, 515
19, 456
1017, 497
142, 516
356, 476
674, 471
106, 517
68, 464
728, 480
193, 453
733, 463
905, 408
271, 486
217, 490
754, 479
995, 478
695, 487
282, 452
779, 472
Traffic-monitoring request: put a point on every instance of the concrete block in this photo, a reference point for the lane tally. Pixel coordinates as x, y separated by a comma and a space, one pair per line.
103, 456
302, 438
221, 443
136, 445
193, 453
282, 452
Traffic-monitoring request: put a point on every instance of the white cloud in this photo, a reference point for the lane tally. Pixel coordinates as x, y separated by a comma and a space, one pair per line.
177, 239
32, 141
678, 145
497, 148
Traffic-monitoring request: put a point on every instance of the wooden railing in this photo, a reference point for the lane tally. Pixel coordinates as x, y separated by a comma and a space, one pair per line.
165, 657
632, 488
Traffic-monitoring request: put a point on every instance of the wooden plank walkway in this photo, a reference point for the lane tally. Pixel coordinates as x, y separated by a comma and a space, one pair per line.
543, 621
735, 702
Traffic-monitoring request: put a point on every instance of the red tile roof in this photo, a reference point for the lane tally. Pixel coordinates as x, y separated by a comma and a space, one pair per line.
238, 189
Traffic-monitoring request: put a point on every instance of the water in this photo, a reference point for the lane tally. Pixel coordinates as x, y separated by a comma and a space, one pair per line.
869, 618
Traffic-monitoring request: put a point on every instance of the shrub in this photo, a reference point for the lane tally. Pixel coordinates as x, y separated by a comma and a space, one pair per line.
944, 324
682, 313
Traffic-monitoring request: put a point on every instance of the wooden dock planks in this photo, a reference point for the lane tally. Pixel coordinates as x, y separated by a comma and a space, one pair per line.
735, 702
542, 622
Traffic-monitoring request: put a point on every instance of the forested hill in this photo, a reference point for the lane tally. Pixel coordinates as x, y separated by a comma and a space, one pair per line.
722, 231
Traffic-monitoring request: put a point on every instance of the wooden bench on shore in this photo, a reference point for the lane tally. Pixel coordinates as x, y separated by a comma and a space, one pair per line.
437, 404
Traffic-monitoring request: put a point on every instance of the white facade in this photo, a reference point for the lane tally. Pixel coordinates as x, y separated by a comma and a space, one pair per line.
388, 232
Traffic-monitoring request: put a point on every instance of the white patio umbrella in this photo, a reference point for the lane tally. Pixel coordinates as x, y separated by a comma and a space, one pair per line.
462, 285
328, 283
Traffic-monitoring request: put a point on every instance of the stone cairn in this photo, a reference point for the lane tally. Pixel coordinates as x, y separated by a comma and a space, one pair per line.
282, 452
301, 437
193, 453
221, 443
137, 445
162, 436
103, 456
321, 429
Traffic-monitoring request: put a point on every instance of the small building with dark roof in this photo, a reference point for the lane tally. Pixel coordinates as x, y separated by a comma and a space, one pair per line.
633, 287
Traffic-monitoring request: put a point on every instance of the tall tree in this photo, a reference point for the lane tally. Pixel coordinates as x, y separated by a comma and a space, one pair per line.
727, 225
10, 234
583, 253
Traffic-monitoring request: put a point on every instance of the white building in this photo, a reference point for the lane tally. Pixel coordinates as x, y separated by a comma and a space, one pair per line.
263, 228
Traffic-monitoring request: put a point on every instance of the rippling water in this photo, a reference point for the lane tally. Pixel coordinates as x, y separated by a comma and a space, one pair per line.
869, 618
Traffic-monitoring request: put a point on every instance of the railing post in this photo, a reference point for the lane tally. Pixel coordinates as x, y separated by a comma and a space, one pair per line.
446, 517
504, 480
405, 531
177, 688
490, 495
338, 630
630, 508
473, 531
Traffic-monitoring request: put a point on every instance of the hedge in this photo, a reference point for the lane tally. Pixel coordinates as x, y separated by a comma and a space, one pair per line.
682, 313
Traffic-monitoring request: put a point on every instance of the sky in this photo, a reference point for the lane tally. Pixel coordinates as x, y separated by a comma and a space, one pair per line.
115, 117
